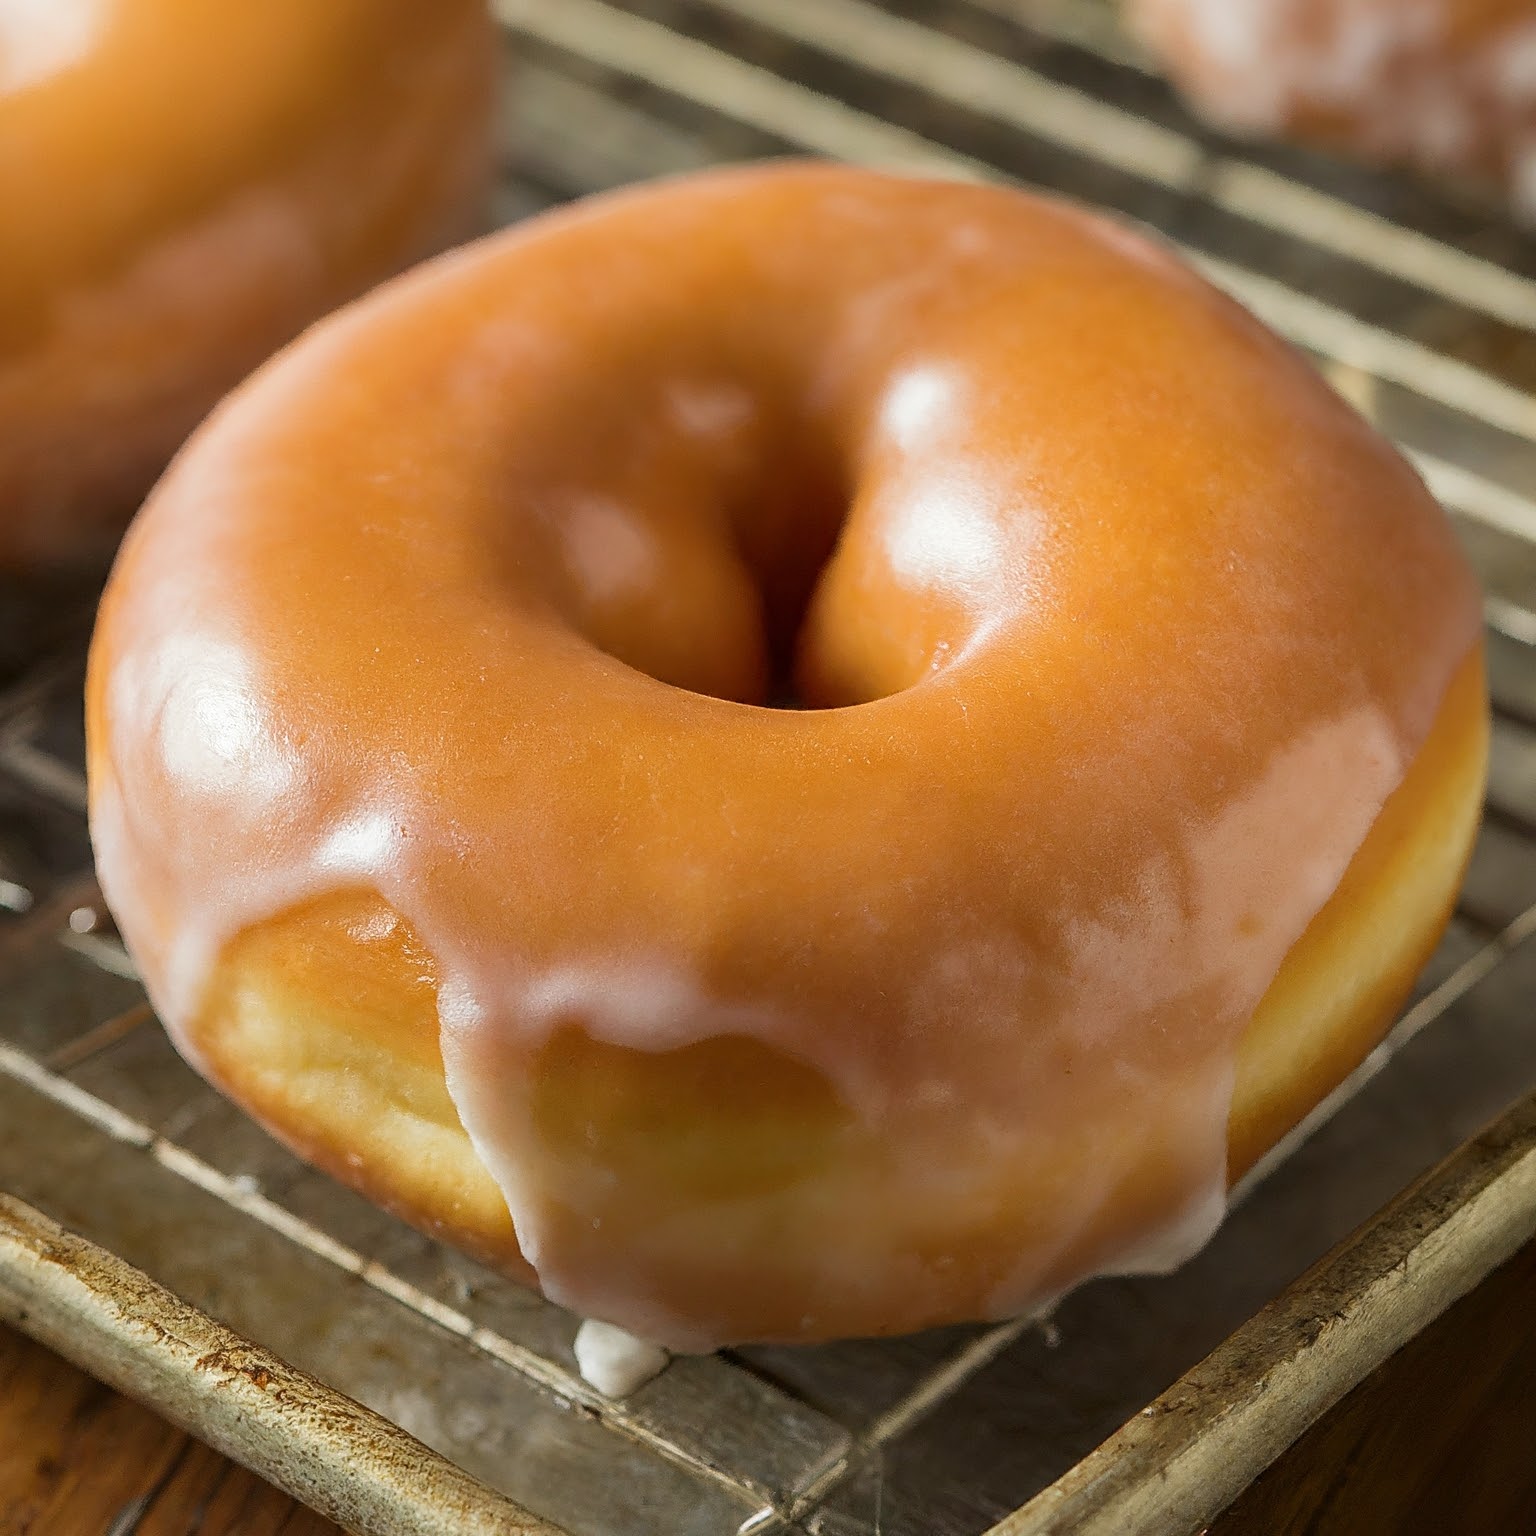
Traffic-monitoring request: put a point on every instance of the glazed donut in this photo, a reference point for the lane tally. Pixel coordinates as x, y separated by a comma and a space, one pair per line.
186, 186
436, 783
1446, 86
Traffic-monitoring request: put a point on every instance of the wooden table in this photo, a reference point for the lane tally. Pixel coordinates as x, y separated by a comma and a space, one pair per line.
77, 1459
1441, 1440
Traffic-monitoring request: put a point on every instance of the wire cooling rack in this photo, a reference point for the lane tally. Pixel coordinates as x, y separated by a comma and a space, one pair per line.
1419, 305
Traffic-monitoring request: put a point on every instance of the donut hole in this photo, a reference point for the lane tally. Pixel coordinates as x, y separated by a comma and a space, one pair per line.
723, 1119
786, 581
709, 586
790, 598
720, 537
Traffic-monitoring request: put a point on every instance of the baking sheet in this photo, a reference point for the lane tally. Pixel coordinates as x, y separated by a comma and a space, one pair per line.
1423, 312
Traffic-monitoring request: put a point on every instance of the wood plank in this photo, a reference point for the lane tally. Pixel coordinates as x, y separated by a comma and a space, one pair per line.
77, 1457
73, 1454
211, 1496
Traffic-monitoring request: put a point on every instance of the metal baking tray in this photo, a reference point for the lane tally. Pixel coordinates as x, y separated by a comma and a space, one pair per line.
401, 1388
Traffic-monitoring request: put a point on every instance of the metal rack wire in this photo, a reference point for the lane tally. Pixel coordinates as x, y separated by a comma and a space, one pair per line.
1421, 310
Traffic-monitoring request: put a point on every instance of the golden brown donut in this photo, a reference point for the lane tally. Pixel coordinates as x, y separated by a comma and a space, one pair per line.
1447, 86
435, 785
186, 186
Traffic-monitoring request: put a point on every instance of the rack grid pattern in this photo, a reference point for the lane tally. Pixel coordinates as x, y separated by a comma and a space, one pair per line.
1421, 310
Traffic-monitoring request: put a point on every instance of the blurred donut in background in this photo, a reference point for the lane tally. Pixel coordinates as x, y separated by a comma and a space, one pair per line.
1447, 87
186, 186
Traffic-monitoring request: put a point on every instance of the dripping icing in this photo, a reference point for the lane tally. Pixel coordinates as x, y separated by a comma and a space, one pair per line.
1239, 862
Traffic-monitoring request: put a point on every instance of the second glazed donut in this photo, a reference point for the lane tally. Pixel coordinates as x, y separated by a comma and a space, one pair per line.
184, 187
1446, 86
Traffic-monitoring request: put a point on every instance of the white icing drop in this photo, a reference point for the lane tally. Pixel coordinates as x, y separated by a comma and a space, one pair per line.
614, 1361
